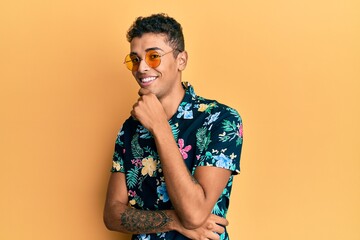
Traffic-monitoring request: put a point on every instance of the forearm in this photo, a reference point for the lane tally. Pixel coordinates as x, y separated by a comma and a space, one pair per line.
181, 185
122, 218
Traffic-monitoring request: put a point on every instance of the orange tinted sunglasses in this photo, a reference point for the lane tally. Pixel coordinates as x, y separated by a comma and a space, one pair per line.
152, 59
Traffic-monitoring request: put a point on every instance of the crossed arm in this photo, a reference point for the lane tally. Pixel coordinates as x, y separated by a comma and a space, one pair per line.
191, 218
118, 216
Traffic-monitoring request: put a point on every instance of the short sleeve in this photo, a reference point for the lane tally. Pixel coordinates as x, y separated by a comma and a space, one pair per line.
222, 143
118, 163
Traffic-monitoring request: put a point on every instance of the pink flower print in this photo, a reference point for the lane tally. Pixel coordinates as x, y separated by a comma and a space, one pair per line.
183, 150
132, 193
136, 162
240, 131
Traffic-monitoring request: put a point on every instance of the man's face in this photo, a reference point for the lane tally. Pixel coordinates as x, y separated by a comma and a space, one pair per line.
165, 79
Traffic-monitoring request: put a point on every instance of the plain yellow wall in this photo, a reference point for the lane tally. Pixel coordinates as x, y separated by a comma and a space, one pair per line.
291, 68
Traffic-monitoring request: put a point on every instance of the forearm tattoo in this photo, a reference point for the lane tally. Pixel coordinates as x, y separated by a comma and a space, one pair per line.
142, 221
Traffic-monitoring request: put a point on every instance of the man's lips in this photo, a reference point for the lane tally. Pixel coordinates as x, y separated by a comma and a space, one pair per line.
147, 79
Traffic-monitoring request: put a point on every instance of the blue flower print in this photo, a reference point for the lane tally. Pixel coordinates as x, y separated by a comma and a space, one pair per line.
144, 133
161, 235
222, 236
162, 193
188, 114
223, 161
118, 139
212, 118
143, 237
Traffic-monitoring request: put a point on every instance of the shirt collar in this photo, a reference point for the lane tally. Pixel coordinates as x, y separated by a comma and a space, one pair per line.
189, 90
185, 109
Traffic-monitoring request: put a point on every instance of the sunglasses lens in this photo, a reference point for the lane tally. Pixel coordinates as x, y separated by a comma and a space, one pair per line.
132, 62
153, 59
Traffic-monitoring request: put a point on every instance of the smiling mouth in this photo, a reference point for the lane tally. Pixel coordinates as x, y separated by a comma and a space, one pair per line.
147, 79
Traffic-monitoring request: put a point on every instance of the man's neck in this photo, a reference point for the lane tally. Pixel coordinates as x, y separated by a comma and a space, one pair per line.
171, 103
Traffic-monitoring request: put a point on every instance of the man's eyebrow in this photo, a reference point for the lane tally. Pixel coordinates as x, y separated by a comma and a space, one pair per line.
148, 49
153, 48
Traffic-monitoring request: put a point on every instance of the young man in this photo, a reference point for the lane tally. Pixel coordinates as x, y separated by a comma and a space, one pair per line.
176, 155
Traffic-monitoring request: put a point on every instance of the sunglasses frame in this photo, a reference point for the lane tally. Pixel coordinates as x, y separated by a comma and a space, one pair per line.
133, 68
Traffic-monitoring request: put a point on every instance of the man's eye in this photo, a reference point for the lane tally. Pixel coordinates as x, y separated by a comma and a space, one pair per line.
135, 59
154, 56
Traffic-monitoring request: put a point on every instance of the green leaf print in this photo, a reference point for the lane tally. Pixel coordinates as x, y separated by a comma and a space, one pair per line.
131, 177
135, 147
151, 152
217, 210
175, 129
229, 126
117, 156
230, 131
139, 201
202, 139
238, 141
234, 113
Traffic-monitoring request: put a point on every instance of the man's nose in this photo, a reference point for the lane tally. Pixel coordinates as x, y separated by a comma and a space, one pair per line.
143, 66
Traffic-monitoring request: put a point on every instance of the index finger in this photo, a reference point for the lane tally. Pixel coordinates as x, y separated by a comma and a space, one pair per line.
143, 91
220, 220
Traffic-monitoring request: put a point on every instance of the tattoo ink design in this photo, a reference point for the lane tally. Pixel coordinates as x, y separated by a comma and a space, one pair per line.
143, 221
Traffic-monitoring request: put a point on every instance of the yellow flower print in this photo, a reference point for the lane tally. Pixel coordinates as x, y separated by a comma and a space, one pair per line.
149, 166
132, 202
116, 165
203, 107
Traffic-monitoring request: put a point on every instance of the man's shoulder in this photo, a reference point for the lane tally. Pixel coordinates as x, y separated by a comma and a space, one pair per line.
129, 124
212, 106
206, 105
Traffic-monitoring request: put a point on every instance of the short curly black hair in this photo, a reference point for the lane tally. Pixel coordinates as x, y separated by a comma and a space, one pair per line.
159, 23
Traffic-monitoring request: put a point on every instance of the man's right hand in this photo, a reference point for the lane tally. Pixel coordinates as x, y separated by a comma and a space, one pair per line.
211, 229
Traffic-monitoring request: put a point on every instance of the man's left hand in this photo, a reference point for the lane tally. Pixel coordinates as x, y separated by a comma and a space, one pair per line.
149, 110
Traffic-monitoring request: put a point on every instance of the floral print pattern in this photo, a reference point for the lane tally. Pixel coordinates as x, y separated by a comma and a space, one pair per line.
207, 132
183, 150
149, 166
162, 193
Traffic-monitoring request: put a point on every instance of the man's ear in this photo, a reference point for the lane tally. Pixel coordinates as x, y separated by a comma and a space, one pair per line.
182, 60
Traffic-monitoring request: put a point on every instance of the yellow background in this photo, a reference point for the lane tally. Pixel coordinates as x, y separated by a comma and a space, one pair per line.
291, 68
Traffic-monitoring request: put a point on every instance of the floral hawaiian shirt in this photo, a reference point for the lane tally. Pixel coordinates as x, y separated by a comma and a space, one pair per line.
207, 132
